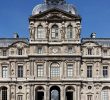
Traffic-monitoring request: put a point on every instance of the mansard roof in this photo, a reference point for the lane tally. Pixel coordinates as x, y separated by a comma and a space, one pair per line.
5, 42
101, 41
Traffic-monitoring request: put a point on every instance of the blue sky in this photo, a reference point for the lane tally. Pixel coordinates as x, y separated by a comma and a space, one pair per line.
14, 16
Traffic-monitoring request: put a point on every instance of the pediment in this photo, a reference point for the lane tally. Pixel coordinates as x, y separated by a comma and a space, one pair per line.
55, 14
19, 44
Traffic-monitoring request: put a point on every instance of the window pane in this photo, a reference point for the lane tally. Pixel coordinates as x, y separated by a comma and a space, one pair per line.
39, 50
69, 32
105, 71
54, 33
89, 97
69, 70
4, 93
40, 32
89, 71
4, 53
55, 70
40, 71
89, 51
105, 94
20, 71
4, 72
19, 51
20, 97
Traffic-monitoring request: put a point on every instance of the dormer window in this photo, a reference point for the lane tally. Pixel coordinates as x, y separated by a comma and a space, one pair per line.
69, 33
54, 34
19, 51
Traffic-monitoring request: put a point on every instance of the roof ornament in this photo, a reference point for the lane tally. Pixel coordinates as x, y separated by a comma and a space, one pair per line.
55, 2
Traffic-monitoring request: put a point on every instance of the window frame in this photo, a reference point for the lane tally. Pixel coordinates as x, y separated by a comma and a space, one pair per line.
89, 97
69, 70
20, 97
89, 51
40, 70
105, 71
20, 71
89, 71
69, 33
4, 52
4, 93
20, 51
4, 71
40, 32
54, 32
39, 50
55, 70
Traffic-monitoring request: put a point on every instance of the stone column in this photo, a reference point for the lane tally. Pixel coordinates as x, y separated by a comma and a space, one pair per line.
78, 92
32, 92
47, 93
62, 96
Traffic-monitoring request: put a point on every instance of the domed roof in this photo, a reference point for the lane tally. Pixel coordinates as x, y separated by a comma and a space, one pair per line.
43, 7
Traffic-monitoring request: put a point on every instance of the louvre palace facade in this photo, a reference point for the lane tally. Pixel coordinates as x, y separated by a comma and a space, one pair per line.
55, 63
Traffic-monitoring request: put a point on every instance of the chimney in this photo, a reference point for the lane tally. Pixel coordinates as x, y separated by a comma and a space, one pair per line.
16, 35
93, 35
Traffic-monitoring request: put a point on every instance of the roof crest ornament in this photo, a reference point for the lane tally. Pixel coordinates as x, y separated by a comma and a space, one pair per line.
55, 2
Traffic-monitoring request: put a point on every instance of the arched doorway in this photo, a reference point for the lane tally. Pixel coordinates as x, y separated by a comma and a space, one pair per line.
69, 93
39, 93
55, 93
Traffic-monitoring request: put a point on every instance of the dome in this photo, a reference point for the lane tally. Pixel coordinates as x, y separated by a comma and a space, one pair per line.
43, 7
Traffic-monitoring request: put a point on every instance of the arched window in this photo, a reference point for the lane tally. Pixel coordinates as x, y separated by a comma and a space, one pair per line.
40, 32
54, 93
55, 70
69, 33
54, 32
105, 94
39, 93
69, 93
4, 93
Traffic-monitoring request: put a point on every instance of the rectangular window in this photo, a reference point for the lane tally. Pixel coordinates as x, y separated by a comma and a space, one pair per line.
105, 71
4, 53
19, 51
70, 49
89, 51
89, 71
39, 50
105, 52
54, 32
20, 71
4, 72
89, 97
40, 71
69, 70
20, 97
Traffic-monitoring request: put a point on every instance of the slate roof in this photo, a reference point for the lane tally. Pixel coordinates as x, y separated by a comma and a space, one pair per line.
5, 42
101, 41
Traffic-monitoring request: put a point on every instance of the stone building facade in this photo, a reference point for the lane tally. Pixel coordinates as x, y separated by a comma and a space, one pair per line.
54, 63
